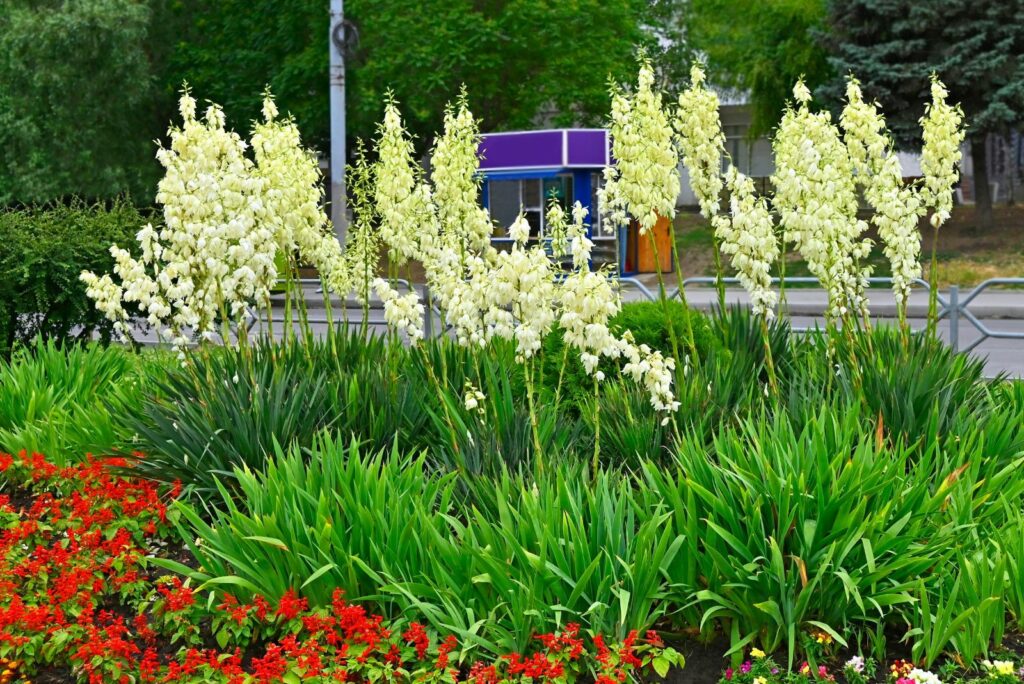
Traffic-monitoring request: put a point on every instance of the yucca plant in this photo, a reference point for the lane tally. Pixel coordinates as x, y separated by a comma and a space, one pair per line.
909, 379
224, 409
567, 547
328, 517
787, 529
61, 400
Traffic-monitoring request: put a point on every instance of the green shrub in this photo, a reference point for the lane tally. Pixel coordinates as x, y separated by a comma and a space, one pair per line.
822, 526
44, 251
392, 534
62, 402
226, 409
647, 323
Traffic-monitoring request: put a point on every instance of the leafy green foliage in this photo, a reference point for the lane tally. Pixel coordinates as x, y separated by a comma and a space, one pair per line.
515, 59
44, 251
78, 109
878, 493
227, 409
822, 526
761, 48
395, 536
63, 401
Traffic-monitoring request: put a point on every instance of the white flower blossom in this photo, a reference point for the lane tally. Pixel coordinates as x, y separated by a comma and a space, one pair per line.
699, 130
464, 223
747, 236
816, 198
943, 133
924, 677
473, 398
897, 206
654, 371
403, 203
294, 198
644, 183
402, 312
999, 668
214, 254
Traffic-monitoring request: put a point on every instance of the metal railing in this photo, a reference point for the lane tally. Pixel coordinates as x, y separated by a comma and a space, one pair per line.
953, 305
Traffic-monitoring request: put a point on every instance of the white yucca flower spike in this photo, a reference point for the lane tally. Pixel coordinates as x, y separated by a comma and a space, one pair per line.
404, 205
402, 312
748, 237
215, 251
644, 183
699, 129
454, 163
473, 398
943, 134
295, 202
897, 207
816, 198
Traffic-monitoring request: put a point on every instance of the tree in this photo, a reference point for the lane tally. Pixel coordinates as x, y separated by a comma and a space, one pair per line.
975, 46
77, 101
762, 48
522, 61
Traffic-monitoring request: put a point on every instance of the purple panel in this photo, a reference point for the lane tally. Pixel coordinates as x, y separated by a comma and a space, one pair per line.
526, 149
588, 148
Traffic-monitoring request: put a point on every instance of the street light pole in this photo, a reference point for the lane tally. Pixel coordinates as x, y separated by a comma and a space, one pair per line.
337, 90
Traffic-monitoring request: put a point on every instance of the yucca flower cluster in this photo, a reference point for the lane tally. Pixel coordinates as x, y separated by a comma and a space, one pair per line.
482, 293
816, 198
226, 218
402, 312
465, 225
363, 242
294, 197
588, 301
644, 183
897, 206
943, 134
403, 201
747, 236
699, 134
215, 253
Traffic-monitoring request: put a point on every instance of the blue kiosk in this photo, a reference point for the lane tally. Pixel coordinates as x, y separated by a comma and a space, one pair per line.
522, 170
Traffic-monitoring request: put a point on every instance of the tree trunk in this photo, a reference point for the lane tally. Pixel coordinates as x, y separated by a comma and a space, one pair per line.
982, 191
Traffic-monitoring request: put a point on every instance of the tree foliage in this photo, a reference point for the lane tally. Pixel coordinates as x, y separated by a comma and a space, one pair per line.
519, 59
77, 101
975, 46
761, 48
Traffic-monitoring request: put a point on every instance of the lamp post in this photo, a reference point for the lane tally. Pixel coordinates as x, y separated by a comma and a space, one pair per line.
337, 91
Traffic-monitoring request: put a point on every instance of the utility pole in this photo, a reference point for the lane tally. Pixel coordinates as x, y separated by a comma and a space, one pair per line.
337, 88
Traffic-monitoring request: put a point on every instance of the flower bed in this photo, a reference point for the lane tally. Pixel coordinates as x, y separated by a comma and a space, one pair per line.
79, 600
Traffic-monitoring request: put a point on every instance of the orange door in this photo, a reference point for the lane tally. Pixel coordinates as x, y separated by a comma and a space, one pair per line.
646, 262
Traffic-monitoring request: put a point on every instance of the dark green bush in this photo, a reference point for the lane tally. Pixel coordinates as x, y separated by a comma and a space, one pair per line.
647, 321
44, 251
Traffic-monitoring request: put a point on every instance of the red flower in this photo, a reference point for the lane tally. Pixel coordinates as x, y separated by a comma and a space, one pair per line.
291, 605
417, 636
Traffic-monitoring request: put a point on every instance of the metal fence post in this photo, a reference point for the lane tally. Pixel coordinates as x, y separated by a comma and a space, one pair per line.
428, 314
954, 317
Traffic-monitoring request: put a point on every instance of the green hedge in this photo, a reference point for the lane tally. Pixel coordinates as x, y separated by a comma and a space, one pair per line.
647, 322
44, 251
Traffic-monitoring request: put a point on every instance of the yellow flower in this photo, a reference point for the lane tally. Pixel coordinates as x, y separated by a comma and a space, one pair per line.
760, 680
756, 653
